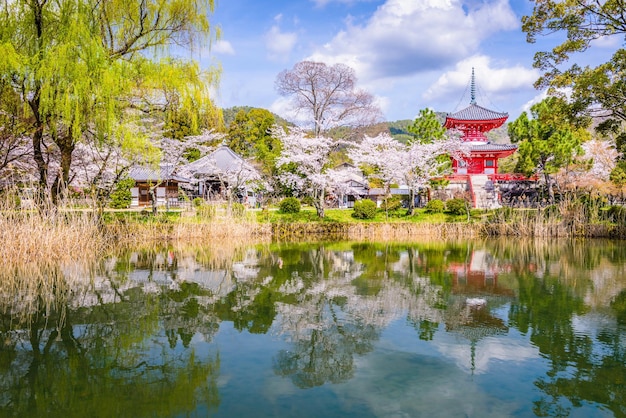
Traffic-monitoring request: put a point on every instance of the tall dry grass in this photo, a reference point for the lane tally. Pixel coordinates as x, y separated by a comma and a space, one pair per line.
44, 252
571, 217
219, 227
48, 236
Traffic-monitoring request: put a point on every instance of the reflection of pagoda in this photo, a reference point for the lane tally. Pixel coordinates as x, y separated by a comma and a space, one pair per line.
474, 290
477, 276
478, 171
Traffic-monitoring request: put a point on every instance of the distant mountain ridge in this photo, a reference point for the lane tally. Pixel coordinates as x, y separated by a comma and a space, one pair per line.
398, 129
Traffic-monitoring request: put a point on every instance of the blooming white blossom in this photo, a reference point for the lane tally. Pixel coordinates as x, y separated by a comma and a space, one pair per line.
305, 165
411, 165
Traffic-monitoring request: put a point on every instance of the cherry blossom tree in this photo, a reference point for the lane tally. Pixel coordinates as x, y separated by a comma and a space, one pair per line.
411, 165
304, 163
327, 96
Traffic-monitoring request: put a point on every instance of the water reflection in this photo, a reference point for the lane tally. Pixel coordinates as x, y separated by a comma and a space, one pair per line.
139, 333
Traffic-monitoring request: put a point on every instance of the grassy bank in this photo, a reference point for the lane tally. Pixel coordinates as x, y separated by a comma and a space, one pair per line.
33, 236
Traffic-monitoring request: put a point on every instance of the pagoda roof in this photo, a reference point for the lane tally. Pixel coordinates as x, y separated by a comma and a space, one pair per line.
475, 112
489, 147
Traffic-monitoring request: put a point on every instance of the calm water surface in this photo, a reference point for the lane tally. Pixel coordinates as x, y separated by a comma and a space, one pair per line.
475, 329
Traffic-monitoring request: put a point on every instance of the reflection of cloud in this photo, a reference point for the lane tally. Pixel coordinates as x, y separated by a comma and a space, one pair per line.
486, 351
401, 384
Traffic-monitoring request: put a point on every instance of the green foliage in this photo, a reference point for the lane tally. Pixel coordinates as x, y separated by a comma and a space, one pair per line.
88, 71
435, 206
250, 135
391, 203
550, 139
551, 211
121, 196
427, 127
457, 206
289, 205
579, 24
616, 214
206, 211
197, 202
364, 209
618, 174
237, 210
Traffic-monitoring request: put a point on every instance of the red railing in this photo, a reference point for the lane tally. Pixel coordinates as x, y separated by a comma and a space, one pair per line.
511, 177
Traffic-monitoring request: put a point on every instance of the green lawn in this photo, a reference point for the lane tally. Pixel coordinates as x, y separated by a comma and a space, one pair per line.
308, 214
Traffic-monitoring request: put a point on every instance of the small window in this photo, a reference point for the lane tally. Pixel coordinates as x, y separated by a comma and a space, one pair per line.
488, 163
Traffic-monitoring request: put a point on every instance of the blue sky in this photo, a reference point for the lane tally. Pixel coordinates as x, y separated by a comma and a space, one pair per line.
410, 54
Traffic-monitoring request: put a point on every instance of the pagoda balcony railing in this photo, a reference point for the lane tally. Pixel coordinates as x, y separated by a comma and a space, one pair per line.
492, 177
512, 177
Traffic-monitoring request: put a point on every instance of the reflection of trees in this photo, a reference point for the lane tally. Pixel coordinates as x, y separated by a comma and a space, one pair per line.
325, 354
75, 355
582, 368
132, 327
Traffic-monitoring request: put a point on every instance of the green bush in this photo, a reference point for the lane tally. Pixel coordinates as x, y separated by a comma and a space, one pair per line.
551, 211
392, 203
197, 202
121, 196
456, 206
289, 205
237, 210
435, 206
616, 214
364, 209
205, 211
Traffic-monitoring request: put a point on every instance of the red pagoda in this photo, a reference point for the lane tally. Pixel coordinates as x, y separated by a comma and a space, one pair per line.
474, 121
478, 172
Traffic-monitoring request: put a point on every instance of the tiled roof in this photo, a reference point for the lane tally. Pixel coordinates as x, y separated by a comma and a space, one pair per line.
475, 112
489, 147
147, 173
222, 160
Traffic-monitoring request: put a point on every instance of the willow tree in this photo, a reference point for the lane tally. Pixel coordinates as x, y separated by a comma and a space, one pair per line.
92, 70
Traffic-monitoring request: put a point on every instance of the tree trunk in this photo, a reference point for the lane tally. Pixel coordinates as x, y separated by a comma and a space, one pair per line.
548, 179
153, 200
319, 204
411, 210
59, 187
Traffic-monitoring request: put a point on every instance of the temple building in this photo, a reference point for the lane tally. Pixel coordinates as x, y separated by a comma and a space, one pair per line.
477, 173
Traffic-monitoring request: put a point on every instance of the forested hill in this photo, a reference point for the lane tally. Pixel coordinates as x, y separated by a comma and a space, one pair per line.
229, 114
398, 128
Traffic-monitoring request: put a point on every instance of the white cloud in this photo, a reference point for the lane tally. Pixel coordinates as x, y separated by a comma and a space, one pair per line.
322, 3
280, 44
539, 97
223, 47
492, 83
404, 37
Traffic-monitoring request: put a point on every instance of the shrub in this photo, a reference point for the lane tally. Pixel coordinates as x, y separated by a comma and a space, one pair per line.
197, 202
435, 206
616, 214
456, 206
237, 210
364, 209
121, 196
205, 211
392, 203
552, 211
289, 205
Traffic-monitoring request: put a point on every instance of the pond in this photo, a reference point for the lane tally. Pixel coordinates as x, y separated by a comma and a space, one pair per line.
326, 329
